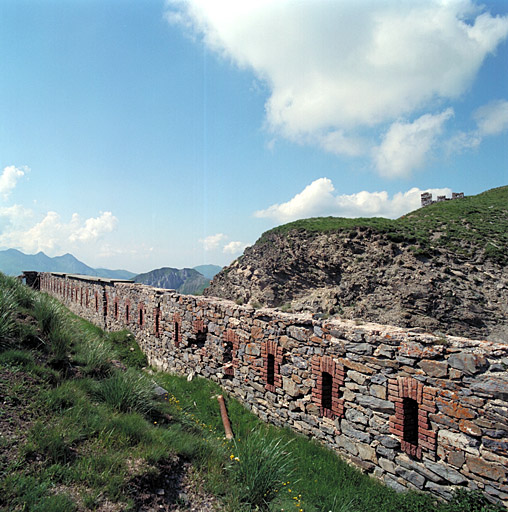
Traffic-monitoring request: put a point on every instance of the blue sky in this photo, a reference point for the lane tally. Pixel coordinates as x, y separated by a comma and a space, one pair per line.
141, 134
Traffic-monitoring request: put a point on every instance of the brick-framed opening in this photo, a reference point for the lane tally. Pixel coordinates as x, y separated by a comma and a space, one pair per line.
127, 311
141, 314
326, 394
115, 308
176, 329
105, 302
87, 301
81, 296
272, 354
230, 345
157, 321
413, 403
96, 301
199, 332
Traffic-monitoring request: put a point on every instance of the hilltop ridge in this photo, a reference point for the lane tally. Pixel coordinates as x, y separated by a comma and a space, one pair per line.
441, 267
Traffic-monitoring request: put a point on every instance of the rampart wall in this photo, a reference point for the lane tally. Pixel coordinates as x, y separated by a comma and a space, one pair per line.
415, 410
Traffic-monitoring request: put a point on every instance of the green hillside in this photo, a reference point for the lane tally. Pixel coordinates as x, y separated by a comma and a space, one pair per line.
462, 225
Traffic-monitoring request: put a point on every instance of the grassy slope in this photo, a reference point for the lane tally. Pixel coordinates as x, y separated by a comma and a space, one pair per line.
463, 225
82, 431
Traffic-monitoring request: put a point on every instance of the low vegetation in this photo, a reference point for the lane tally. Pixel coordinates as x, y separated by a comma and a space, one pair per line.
462, 225
82, 428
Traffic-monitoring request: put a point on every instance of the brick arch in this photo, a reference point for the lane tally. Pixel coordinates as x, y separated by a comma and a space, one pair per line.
413, 402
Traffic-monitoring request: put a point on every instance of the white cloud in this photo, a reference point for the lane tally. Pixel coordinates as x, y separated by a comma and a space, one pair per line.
53, 236
212, 242
9, 178
405, 146
334, 68
319, 199
15, 214
491, 119
234, 248
93, 228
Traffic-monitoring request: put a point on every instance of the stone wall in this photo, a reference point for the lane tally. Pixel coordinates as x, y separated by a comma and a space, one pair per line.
415, 410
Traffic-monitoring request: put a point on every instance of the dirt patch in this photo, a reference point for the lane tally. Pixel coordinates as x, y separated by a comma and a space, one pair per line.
16, 415
173, 485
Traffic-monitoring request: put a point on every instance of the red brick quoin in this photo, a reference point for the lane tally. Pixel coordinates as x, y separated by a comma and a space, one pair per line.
413, 402
272, 355
326, 394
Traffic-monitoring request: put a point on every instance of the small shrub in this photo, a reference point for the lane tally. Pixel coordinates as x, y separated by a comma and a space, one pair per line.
472, 501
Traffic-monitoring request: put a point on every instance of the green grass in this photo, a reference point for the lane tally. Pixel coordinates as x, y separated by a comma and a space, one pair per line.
462, 225
93, 432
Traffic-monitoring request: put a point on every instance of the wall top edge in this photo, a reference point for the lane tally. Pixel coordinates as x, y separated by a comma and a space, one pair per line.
335, 326
83, 277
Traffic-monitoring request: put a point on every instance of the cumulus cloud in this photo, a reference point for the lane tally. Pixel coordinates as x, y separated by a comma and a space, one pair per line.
15, 214
491, 119
406, 145
234, 248
9, 178
335, 68
93, 228
212, 242
52, 235
319, 199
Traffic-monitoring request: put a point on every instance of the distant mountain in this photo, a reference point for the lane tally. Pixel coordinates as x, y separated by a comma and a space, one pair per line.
209, 271
14, 262
186, 281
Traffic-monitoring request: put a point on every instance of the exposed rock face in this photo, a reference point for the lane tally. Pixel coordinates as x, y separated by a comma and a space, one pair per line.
185, 280
364, 275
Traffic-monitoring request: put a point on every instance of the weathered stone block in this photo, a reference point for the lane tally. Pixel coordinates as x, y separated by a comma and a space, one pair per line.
468, 363
434, 368
376, 404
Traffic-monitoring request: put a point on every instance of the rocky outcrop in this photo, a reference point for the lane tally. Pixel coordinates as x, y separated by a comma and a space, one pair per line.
363, 274
186, 280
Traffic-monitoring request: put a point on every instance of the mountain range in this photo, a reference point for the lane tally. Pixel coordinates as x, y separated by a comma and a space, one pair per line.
14, 262
186, 281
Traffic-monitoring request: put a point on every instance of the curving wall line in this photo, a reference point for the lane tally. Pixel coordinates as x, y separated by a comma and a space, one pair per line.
415, 410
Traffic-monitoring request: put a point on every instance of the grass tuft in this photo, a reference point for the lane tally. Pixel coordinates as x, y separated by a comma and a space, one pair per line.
260, 467
127, 391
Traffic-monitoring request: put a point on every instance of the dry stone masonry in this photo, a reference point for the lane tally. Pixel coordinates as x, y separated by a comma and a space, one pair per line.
415, 410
